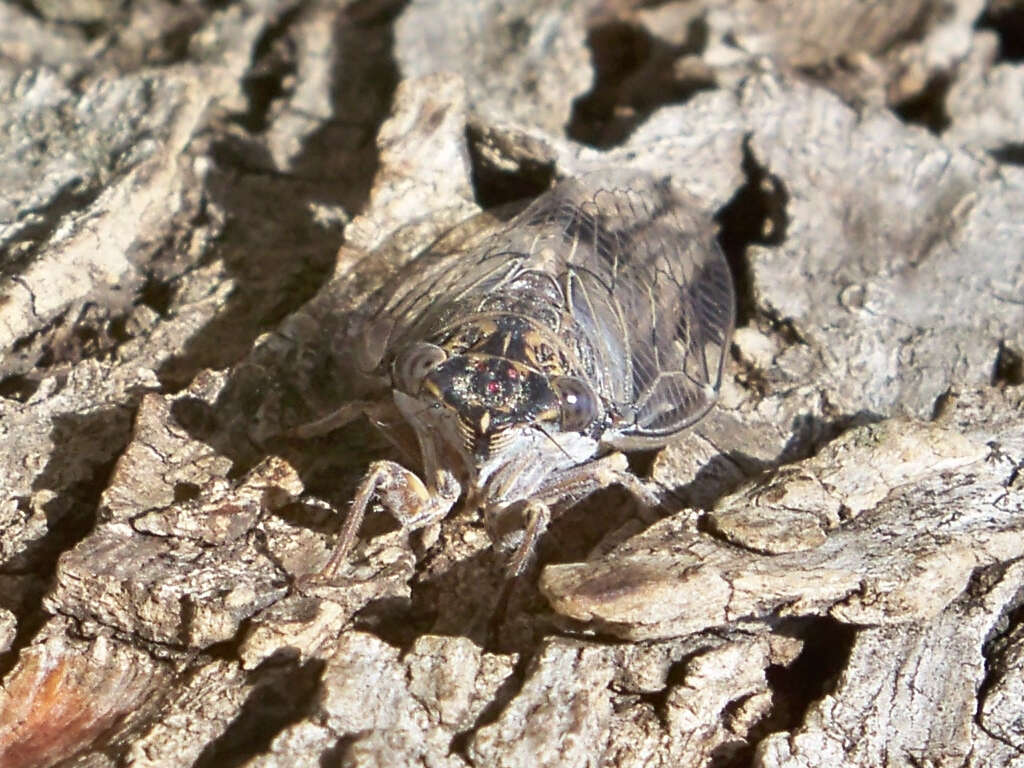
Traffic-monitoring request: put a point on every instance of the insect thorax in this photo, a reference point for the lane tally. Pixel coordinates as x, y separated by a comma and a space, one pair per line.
502, 361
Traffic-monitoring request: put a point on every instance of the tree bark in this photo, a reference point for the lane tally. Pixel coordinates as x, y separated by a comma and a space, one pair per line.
198, 197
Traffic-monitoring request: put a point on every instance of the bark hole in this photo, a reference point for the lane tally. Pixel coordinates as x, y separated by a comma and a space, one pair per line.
634, 74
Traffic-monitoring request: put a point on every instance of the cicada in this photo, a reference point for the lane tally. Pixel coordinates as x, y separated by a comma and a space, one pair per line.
521, 366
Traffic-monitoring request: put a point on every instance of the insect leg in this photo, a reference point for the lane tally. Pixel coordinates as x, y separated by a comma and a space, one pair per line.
402, 493
336, 419
521, 526
538, 516
571, 485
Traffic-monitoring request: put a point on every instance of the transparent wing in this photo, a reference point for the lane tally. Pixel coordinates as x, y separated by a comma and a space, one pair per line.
439, 281
649, 285
636, 266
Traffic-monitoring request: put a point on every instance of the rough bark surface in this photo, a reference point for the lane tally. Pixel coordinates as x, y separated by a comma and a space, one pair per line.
197, 196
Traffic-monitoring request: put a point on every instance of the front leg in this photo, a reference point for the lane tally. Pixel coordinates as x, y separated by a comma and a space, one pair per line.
538, 516
570, 485
403, 494
561, 490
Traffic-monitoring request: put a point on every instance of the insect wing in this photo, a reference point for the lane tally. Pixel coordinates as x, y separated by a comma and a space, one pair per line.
427, 291
636, 266
648, 284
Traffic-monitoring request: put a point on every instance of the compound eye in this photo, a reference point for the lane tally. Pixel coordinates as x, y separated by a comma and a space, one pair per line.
412, 366
578, 403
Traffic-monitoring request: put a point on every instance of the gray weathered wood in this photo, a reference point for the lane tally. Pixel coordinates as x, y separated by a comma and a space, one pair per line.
195, 198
